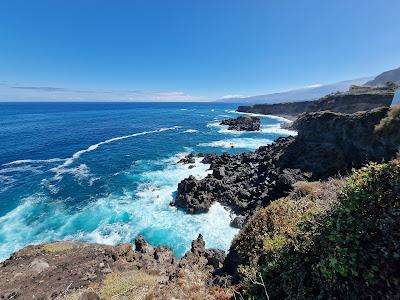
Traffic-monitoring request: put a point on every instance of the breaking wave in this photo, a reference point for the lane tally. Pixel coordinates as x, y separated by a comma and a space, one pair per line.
242, 143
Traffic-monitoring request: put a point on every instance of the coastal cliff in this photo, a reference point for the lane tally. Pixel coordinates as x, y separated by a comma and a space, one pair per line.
356, 99
327, 143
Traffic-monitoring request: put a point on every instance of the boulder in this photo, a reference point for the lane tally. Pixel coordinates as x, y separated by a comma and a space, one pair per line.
238, 222
142, 246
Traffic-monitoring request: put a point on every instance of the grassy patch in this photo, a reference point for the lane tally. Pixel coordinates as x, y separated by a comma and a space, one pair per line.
57, 247
127, 285
389, 123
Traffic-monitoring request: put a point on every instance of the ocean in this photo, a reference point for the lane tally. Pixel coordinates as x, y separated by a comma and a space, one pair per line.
106, 172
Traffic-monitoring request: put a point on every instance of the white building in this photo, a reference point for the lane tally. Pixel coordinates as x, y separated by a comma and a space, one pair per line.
396, 98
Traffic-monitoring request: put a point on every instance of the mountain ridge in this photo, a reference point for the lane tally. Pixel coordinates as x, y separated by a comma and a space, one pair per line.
302, 94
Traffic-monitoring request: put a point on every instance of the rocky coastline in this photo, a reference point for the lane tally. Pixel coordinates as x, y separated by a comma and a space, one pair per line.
54, 270
328, 144
356, 99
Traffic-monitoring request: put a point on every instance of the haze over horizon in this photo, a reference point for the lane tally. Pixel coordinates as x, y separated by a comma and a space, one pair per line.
189, 51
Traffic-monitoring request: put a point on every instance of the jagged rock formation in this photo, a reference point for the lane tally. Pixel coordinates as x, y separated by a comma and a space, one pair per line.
188, 159
243, 123
56, 269
356, 99
328, 143
243, 182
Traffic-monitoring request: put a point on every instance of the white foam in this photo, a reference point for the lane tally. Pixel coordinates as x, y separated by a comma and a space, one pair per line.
77, 154
120, 218
27, 168
34, 161
80, 172
282, 119
276, 129
214, 124
242, 143
190, 131
265, 129
6, 182
61, 169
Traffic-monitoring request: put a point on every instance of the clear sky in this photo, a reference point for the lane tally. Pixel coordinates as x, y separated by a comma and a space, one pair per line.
190, 49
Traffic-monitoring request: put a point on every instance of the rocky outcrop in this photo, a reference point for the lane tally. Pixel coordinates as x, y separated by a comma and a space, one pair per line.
61, 268
243, 123
328, 143
242, 182
188, 159
356, 99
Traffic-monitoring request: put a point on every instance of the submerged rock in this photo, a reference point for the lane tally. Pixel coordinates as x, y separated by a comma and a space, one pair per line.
188, 159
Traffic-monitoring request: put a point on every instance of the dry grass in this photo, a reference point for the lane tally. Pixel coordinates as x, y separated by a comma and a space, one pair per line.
57, 247
190, 285
393, 118
319, 194
272, 227
132, 285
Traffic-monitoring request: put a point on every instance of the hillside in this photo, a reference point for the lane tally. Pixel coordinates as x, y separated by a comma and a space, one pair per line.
307, 93
381, 79
356, 99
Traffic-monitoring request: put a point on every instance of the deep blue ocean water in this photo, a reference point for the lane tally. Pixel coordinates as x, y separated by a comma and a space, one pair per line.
106, 172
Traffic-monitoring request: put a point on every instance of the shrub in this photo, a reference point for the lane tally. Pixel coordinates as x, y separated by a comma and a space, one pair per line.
391, 122
346, 249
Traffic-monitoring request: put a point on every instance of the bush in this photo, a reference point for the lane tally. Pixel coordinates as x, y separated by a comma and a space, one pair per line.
346, 249
391, 122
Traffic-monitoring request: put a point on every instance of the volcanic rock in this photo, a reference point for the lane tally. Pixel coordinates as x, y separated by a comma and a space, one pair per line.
243, 123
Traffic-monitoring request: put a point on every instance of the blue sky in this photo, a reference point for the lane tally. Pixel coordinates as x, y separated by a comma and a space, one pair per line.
189, 50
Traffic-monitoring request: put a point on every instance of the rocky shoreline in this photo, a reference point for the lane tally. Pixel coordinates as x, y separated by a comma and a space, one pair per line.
356, 99
327, 144
51, 271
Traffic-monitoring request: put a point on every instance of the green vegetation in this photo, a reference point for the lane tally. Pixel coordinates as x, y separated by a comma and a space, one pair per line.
391, 122
331, 240
391, 85
389, 127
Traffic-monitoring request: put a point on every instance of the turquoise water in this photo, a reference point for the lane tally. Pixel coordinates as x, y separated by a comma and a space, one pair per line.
106, 172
